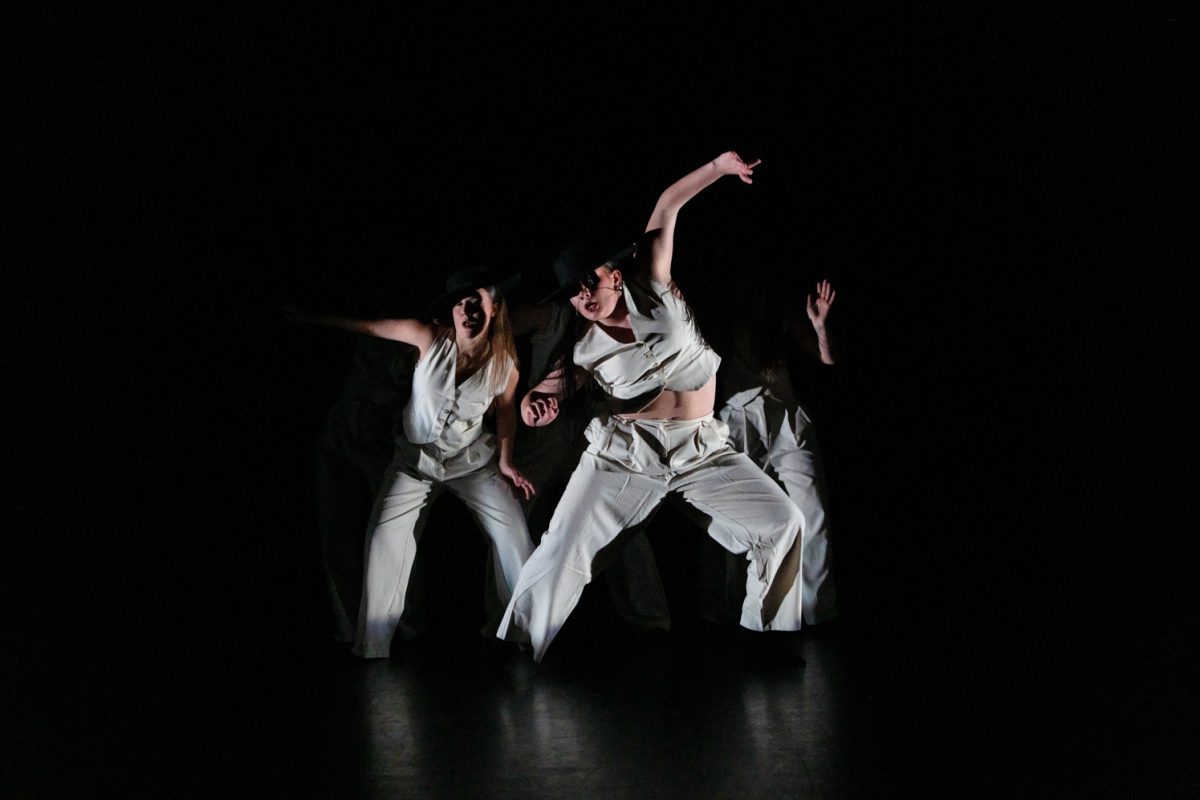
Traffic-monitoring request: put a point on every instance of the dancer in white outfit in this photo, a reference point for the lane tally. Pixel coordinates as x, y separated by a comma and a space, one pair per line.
767, 422
463, 371
642, 347
548, 456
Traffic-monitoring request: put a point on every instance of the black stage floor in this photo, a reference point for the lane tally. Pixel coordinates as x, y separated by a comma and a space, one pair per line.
230, 701
692, 716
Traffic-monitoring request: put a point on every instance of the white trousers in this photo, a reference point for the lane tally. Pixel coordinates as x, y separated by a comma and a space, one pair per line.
779, 438
412, 482
626, 472
548, 457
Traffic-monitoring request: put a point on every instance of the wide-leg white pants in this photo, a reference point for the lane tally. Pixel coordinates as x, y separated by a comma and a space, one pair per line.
413, 481
779, 437
626, 472
548, 457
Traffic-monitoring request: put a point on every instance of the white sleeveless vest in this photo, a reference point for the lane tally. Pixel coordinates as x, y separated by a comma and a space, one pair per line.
667, 351
442, 413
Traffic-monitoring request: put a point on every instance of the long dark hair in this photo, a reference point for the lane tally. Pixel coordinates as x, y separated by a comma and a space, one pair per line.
563, 354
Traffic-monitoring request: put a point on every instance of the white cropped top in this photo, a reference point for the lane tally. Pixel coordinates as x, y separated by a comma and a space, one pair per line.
667, 352
441, 412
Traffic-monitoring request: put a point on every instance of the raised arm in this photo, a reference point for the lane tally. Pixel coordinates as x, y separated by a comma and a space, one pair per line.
662, 219
818, 312
410, 331
506, 434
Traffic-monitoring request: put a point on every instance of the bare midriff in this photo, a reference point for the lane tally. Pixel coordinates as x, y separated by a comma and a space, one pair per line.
680, 405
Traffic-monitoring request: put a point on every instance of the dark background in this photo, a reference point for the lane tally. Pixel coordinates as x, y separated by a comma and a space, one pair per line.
997, 197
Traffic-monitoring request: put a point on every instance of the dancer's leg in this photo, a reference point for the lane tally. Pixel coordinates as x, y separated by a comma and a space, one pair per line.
498, 513
799, 470
746, 512
391, 548
599, 502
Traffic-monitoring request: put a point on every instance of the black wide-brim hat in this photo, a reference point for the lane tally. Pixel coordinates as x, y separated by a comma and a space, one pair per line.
580, 259
464, 282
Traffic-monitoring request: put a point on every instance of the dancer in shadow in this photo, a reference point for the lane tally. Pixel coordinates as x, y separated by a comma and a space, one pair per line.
769, 424
354, 448
638, 340
466, 367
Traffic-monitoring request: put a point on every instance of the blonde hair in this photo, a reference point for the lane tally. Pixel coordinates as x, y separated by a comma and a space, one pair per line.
500, 345
500, 341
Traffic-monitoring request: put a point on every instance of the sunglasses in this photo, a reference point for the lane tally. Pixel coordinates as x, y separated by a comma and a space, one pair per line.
589, 281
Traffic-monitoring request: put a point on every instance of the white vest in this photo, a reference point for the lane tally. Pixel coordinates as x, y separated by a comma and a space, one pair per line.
441, 412
667, 351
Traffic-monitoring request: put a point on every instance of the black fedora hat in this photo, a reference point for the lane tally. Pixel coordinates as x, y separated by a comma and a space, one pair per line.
580, 259
464, 282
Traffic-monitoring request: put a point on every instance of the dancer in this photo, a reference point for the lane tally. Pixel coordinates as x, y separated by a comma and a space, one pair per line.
354, 448
640, 343
768, 423
548, 454
466, 365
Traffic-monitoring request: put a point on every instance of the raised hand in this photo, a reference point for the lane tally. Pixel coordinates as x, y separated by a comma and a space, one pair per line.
818, 307
730, 163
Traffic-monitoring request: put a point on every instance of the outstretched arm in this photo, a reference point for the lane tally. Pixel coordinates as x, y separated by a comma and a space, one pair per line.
662, 219
506, 434
818, 312
410, 331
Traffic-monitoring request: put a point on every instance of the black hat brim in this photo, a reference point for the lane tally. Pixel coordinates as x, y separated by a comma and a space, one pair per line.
439, 306
568, 286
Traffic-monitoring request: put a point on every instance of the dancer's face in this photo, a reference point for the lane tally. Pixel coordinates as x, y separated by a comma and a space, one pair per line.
473, 314
597, 297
